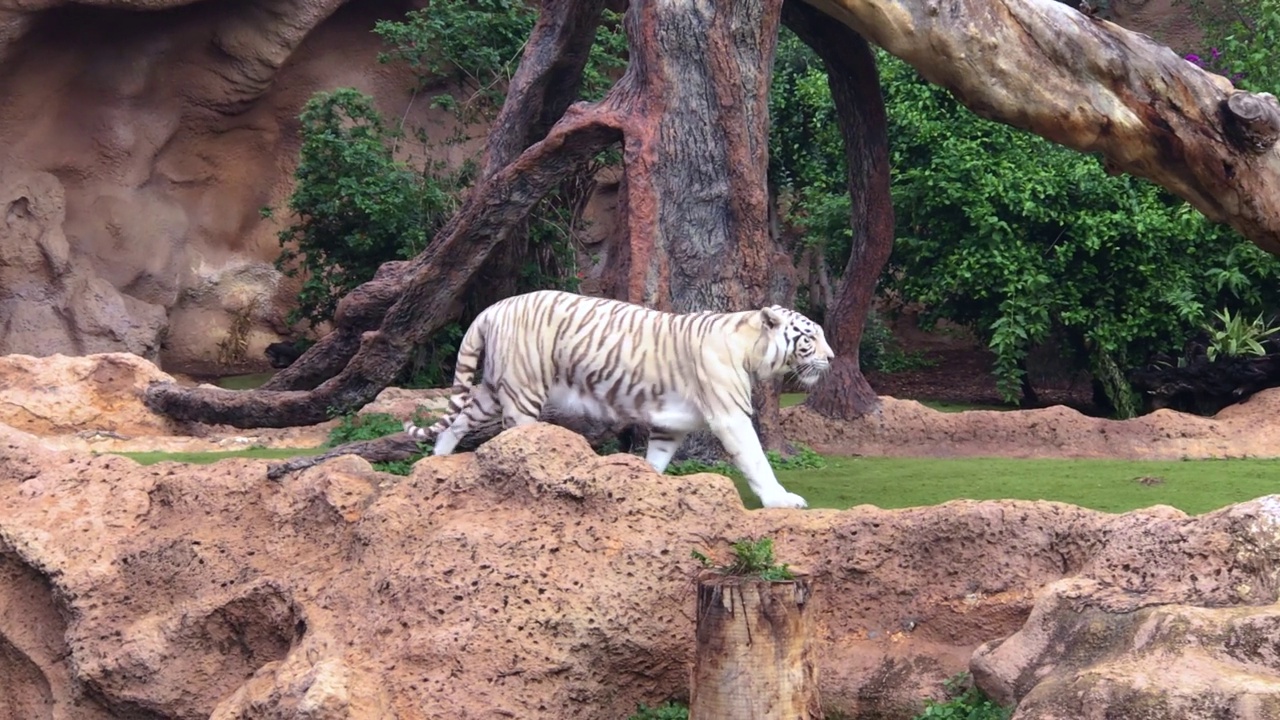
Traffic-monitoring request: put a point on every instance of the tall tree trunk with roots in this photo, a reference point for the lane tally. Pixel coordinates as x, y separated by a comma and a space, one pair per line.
855, 89
695, 197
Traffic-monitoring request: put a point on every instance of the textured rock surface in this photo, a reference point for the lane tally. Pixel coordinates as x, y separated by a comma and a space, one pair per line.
62, 395
140, 147
95, 403
520, 582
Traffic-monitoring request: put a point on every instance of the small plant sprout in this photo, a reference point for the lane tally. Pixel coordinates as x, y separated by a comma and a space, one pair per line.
751, 558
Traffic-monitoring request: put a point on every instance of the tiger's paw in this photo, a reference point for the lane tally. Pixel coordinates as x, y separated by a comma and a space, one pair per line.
784, 499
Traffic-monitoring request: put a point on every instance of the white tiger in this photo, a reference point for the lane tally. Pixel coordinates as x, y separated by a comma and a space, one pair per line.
615, 361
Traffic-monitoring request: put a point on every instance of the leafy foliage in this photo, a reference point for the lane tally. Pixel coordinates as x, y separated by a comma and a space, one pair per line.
1022, 240
1241, 36
807, 163
475, 45
751, 558
1017, 238
1233, 336
370, 426
665, 711
879, 351
355, 205
804, 458
966, 702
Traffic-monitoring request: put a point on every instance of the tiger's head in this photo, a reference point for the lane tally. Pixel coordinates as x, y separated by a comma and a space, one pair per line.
795, 344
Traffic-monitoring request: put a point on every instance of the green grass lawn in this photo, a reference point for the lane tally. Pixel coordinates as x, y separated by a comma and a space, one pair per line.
204, 458
1193, 486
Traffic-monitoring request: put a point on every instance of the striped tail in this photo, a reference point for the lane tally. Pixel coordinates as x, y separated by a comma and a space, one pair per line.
464, 375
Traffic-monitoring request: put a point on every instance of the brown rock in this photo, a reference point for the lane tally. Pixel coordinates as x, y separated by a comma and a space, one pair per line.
531, 579
67, 395
51, 300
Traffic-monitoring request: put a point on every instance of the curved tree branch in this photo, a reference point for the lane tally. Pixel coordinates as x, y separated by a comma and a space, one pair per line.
546, 82
433, 277
1094, 86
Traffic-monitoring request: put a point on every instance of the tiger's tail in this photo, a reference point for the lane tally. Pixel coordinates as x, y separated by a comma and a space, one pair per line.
464, 375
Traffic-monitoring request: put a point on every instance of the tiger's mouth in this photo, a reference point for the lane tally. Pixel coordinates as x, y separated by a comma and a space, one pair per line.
811, 372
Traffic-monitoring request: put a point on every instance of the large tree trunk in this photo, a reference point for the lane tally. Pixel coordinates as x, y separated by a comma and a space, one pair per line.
694, 195
855, 89
1093, 86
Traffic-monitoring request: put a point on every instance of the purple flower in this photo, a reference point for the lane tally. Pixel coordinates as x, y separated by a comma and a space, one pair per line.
1214, 52
1194, 59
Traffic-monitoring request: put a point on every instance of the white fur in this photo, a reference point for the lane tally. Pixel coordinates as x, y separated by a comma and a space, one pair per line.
563, 353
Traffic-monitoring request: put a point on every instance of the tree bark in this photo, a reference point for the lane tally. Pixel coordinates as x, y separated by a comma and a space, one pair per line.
694, 194
1093, 86
855, 90
755, 657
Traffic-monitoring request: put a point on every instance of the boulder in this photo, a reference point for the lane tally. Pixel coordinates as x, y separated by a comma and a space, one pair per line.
1135, 639
52, 300
67, 395
533, 579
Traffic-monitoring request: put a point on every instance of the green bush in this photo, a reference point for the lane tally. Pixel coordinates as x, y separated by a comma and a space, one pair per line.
370, 426
965, 702
354, 205
1018, 238
1015, 237
665, 711
750, 558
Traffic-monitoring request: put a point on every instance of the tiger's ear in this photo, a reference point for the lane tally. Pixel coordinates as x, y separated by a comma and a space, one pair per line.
772, 318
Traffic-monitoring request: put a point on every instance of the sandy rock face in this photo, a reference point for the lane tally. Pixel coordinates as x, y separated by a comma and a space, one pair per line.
142, 141
68, 395
521, 581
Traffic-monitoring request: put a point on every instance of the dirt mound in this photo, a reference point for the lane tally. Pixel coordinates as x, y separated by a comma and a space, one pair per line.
906, 428
519, 581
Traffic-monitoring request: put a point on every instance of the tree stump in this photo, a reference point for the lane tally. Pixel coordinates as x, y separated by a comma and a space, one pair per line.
754, 658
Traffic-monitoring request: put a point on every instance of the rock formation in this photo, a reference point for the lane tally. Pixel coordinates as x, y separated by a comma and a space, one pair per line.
141, 142
535, 579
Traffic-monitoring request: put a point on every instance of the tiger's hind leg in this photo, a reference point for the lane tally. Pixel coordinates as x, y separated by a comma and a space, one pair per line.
482, 409
663, 445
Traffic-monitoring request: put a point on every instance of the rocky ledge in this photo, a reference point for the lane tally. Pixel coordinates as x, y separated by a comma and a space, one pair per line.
535, 579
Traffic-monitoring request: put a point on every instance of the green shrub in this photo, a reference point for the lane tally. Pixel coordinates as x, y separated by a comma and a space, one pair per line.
803, 458
354, 205
1233, 336
965, 702
665, 711
1020, 239
1013, 236
370, 426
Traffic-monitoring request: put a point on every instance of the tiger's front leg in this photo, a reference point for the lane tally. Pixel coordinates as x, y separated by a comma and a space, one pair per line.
739, 438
